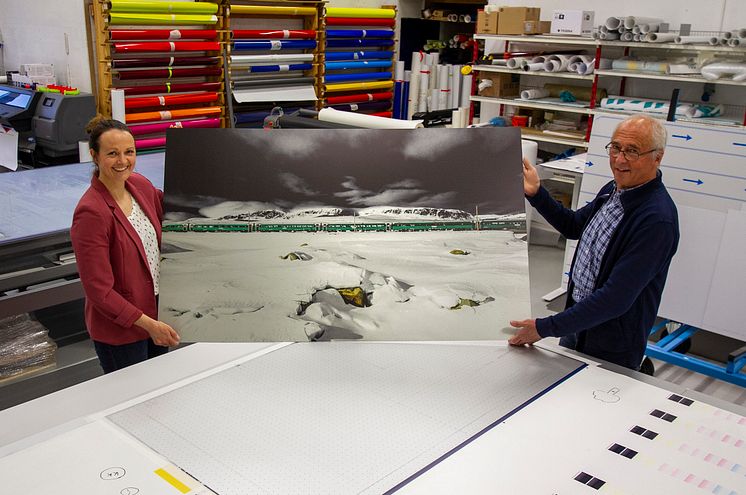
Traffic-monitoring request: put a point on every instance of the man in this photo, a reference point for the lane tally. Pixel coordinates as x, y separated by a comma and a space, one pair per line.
628, 235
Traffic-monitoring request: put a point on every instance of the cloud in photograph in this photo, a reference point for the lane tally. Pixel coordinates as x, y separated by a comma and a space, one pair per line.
423, 146
296, 184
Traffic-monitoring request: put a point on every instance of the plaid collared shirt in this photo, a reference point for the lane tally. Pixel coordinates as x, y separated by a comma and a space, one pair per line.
593, 244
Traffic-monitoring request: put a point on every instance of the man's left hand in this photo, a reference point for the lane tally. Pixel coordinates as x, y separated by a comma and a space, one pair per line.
526, 334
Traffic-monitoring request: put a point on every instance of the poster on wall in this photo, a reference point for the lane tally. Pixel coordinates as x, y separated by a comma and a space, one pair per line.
333, 234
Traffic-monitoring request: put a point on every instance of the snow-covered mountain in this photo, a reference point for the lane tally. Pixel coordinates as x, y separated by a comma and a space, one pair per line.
321, 211
415, 213
249, 216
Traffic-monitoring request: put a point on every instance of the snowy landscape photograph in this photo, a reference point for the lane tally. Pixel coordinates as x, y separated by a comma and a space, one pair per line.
322, 234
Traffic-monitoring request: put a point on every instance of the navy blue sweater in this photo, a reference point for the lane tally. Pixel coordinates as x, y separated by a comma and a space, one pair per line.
613, 322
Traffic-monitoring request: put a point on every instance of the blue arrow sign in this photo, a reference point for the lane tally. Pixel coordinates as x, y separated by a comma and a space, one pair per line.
687, 137
589, 164
739, 144
697, 181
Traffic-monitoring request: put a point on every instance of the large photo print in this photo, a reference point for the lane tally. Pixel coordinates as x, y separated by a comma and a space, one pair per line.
319, 234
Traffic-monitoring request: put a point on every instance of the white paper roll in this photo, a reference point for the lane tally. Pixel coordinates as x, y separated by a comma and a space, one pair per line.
456, 118
366, 121
630, 21
84, 152
660, 37
414, 85
734, 42
117, 105
627, 36
3, 79
576, 60
533, 67
741, 33
443, 88
613, 23
556, 63
424, 88
433, 100
534, 93
682, 69
399, 73
610, 36
516, 62
451, 70
466, 91
648, 28
456, 88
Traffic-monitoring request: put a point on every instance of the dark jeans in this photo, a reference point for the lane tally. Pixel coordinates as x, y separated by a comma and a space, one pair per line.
116, 357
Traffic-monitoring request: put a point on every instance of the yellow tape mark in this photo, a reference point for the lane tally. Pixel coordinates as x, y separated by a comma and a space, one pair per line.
169, 478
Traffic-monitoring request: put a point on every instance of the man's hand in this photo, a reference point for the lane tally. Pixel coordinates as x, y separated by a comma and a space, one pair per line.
531, 180
526, 334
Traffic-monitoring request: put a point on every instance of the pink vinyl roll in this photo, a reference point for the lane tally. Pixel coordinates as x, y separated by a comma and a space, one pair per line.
142, 129
158, 142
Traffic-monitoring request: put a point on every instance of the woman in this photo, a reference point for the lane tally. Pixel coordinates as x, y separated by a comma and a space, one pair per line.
116, 235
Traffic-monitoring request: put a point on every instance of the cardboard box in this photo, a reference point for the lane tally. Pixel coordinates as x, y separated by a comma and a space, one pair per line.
511, 20
487, 22
503, 85
572, 22
536, 27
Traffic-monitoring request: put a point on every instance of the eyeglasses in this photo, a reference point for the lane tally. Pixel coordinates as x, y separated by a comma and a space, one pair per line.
630, 155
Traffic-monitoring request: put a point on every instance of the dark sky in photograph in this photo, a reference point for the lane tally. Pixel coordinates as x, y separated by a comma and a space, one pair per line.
442, 168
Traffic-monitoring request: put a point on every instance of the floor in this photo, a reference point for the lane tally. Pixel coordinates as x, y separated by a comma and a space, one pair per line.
77, 362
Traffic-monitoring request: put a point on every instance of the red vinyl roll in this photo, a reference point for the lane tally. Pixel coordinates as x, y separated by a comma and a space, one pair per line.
359, 21
359, 98
167, 46
382, 114
183, 113
125, 63
281, 34
155, 142
170, 88
168, 100
162, 34
168, 73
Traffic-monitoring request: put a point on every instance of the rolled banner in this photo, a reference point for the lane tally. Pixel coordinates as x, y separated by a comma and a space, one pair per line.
466, 91
131, 63
359, 21
694, 40
734, 42
627, 36
261, 9
517, 62
162, 34
140, 6
631, 21
359, 86
162, 19
117, 105
376, 106
167, 73
740, 33
154, 142
274, 45
362, 64
576, 60
271, 82
648, 28
610, 36
414, 85
171, 88
388, 115
359, 33
273, 33
355, 12
360, 76
424, 89
173, 114
166, 46
613, 23
354, 43
143, 129
237, 60
556, 63
366, 121
132, 103
534, 94
714, 41
683, 69
334, 56
632, 104
360, 98
279, 68
660, 37
533, 67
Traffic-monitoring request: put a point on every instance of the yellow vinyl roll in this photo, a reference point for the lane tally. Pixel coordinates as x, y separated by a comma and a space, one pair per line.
359, 86
140, 6
161, 19
352, 12
265, 10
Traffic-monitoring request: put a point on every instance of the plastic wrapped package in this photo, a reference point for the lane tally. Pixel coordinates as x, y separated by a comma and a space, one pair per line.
24, 344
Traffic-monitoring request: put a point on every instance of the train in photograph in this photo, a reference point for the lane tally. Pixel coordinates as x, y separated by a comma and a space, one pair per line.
409, 226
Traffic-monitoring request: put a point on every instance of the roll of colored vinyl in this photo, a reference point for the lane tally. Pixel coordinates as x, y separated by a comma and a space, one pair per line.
362, 76
273, 58
274, 45
167, 46
157, 142
375, 106
360, 98
261, 9
168, 73
140, 6
367, 121
162, 34
354, 12
353, 43
171, 88
143, 129
184, 113
126, 63
332, 56
279, 68
359, 33
169, 100
359, 86
273, 33
290, 81
363, 64
161, 19
359, 21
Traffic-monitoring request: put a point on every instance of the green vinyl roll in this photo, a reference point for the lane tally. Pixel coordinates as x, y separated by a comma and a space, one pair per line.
139, 6
161, 19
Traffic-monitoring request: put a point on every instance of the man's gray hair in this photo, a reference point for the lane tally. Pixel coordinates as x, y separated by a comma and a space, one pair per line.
658, 132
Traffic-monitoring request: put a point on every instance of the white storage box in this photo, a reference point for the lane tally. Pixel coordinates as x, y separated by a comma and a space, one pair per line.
572, 22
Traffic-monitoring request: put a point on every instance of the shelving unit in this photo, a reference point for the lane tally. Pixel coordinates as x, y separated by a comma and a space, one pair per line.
734, 114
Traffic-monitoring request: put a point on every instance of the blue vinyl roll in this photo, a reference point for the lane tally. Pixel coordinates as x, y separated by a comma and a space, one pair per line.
373, 106
352, 43
358, 55
359, 33
258, 116
397, 100
279, 68
362, 64
274, 44
363, 76
405, 100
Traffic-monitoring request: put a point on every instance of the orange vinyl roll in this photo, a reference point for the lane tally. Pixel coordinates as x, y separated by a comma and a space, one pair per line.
184, 113
162, 101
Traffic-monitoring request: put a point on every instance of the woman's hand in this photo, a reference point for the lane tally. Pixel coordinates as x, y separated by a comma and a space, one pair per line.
531, 180
161, 333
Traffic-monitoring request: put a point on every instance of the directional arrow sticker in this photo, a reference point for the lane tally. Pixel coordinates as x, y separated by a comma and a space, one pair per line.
699, 182
679, 136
